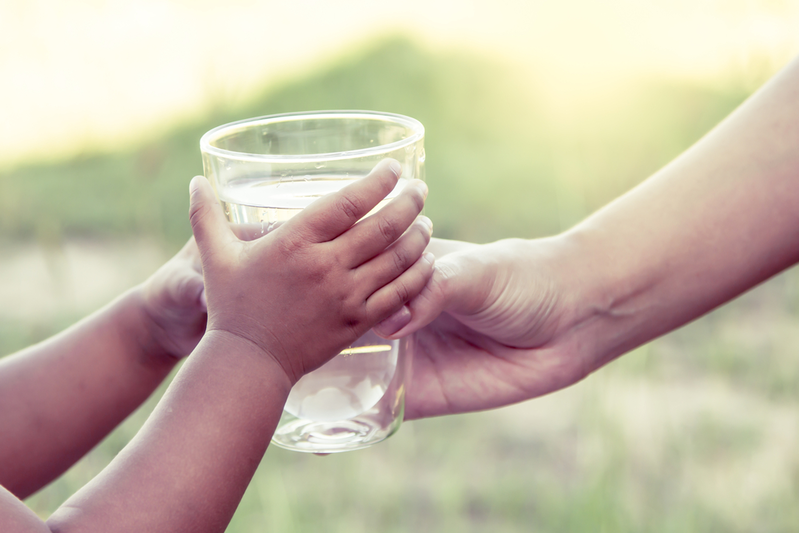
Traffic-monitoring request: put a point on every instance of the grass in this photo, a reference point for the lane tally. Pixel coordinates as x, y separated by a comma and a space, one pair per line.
694, 432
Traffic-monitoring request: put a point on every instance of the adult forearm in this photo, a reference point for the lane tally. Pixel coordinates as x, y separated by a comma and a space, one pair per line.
59, 398
188, 467
720, 219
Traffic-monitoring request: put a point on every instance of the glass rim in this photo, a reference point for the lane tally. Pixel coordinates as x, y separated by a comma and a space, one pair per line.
414, 125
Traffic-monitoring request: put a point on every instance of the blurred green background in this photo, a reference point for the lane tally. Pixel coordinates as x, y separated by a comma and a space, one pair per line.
697, 431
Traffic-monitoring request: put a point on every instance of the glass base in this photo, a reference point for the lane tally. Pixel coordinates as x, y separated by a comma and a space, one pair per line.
311, 436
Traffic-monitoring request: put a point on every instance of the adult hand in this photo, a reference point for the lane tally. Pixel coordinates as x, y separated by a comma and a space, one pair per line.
486, 329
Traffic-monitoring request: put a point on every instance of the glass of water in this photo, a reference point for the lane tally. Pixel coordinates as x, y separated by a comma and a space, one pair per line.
264, 171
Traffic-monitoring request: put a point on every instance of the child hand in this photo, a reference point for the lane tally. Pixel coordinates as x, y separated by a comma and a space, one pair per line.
174, 302
308, 289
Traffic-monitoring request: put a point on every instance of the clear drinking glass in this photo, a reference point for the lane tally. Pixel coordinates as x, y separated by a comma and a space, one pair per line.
264, 171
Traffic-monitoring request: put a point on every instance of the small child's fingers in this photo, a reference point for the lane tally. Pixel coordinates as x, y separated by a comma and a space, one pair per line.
208, 223
397, 258
371, 236
330, 216
392, 297
420, 310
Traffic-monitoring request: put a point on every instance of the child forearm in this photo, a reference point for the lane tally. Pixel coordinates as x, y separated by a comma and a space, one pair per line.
188, 467
59, 398
278, 307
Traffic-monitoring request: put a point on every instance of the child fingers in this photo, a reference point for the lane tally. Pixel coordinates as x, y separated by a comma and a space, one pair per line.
208, 223
390, 298
333, 214
371, 236
397, 258
420, 310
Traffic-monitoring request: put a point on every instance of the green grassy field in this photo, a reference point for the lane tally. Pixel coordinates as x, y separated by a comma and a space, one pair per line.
694, 432
499, 165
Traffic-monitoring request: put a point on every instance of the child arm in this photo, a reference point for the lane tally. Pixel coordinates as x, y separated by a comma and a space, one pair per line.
278, 307
60, 397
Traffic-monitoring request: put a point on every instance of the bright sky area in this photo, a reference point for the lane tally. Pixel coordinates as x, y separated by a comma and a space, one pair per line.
96, 73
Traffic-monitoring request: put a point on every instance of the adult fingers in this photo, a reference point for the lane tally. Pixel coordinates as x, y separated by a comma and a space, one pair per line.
393, 296
333, 214
374, 234
208, 223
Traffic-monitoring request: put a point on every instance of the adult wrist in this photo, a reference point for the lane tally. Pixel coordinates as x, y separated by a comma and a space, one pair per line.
608, 295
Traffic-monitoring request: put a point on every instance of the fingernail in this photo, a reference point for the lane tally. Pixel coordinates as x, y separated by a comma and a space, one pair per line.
194, 185
394, 323
427, 223
395, 167
429, 257
425, 190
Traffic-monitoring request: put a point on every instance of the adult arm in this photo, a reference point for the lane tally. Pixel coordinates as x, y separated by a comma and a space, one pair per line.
524, 318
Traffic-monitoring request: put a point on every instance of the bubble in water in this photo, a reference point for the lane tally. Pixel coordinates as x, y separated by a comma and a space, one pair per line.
411, 148
319, 165
422, 156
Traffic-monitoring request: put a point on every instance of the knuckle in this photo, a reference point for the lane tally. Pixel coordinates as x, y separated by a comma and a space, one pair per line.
387, 228
291, 243
353, 322
315, 271
401, 259
350, 206
402, 293
197, 213
354, 318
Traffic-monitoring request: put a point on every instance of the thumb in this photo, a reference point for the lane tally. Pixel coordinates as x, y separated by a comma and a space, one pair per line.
208, 223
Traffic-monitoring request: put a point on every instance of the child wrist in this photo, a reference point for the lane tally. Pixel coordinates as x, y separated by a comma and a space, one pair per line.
144, 331
234, 346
